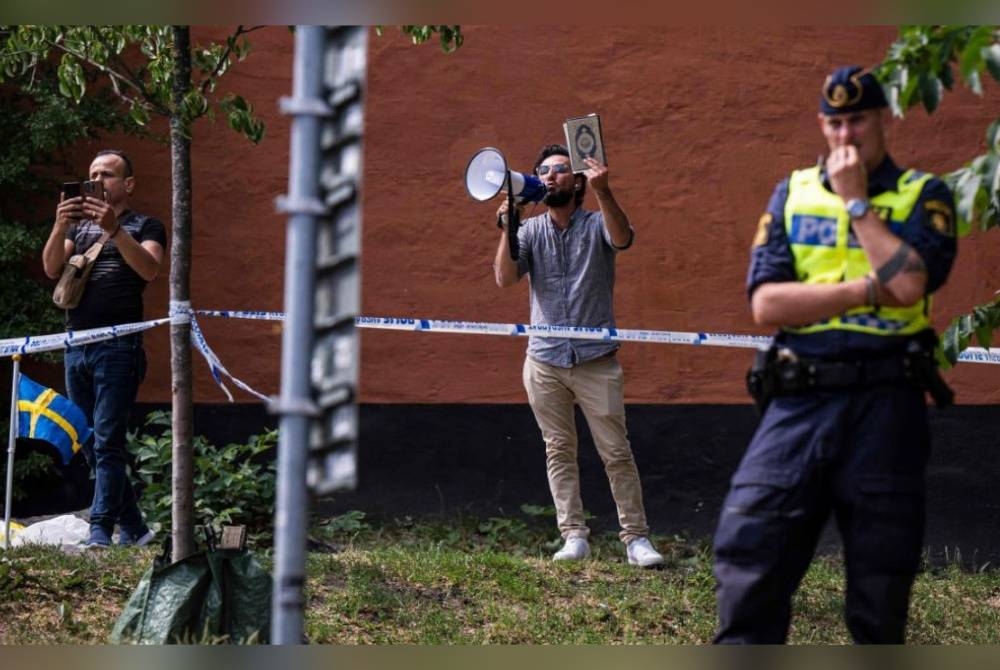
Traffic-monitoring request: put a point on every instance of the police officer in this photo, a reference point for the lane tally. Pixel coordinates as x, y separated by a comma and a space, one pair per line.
844, 262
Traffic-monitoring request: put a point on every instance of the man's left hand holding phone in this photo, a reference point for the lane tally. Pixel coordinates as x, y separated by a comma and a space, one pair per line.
84, 200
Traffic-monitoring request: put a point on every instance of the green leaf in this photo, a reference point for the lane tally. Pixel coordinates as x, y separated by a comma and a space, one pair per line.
991, 57
993, 136
256, 131
243, 49
980, 207
237, 121
195, 104
983, 336
450, 36
71, 80
951, 342
930, 92
909, 91
975, 83
981, 325
946, 76
966, 188
139, 115
971, 56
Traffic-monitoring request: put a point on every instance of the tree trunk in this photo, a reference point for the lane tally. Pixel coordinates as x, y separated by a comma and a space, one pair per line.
180, 295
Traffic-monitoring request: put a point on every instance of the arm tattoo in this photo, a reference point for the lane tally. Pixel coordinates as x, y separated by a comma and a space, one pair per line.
900, 262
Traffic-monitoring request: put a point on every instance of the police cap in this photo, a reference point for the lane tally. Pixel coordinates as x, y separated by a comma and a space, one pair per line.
850, 89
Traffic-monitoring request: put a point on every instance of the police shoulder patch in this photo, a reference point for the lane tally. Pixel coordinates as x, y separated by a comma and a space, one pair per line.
884, 212
939, 216
763, 229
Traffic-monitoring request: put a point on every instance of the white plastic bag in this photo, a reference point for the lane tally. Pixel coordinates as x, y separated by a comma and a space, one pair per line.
60, 530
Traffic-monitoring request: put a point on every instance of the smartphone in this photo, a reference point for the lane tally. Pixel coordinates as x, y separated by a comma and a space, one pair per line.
93, 189
71, 189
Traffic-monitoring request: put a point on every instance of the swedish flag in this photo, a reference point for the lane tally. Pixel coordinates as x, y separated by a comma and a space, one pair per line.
43, 414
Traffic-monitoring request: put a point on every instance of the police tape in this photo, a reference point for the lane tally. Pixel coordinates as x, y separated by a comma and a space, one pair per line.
39, 343
231, 314
970, 355
563, 332
34, 344
525, 330
216, 367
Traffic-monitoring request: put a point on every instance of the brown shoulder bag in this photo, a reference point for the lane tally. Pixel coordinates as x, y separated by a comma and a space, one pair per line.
75, 273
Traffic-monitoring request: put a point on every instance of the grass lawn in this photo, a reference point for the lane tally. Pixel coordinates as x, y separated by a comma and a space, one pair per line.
488, 581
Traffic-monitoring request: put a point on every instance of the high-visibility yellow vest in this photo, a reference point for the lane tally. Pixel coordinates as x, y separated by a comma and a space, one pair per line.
826, 252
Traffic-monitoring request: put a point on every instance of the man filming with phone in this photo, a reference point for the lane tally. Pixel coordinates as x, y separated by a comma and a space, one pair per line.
103, 378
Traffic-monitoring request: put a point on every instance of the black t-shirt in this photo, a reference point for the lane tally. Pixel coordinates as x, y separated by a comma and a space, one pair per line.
114, 290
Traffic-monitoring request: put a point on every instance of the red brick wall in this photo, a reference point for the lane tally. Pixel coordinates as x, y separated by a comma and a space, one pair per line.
699, 125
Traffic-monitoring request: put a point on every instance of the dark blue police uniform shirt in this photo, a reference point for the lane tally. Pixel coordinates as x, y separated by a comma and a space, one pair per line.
773, 261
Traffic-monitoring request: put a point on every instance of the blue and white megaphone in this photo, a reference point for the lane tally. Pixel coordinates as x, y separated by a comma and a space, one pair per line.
486, 176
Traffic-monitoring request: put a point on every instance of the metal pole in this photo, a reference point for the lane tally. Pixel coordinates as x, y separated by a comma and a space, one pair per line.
295, 403
334, 438
9, 494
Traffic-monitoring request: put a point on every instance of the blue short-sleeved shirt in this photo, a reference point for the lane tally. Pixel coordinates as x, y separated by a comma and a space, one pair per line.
771, 260
572, 277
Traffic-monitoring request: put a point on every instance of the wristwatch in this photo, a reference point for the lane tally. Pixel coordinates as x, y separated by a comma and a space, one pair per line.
858, 207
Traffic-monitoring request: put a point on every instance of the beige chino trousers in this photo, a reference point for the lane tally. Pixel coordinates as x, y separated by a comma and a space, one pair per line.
598, 388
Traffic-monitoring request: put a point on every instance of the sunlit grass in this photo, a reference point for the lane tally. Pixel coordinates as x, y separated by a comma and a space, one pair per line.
476, 581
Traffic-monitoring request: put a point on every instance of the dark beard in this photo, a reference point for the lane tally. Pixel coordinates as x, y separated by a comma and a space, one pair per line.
557, 198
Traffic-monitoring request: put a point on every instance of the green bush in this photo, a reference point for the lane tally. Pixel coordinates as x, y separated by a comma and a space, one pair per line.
234, 484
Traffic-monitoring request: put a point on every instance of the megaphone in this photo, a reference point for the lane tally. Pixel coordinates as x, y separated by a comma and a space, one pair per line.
486, 176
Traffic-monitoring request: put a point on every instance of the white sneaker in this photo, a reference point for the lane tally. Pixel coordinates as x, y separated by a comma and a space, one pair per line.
575, 549
641, 552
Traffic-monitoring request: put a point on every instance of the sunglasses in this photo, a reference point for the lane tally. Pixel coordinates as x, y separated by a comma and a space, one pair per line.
558, 168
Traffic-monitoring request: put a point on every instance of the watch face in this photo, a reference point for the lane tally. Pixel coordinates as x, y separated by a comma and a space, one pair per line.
857, 208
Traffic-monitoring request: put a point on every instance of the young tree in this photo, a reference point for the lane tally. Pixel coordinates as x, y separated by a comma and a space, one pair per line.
919, 67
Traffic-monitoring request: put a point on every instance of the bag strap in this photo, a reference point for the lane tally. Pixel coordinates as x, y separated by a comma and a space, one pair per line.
95, 249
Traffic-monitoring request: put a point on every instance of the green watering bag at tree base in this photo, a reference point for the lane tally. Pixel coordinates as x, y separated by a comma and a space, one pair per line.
222, 595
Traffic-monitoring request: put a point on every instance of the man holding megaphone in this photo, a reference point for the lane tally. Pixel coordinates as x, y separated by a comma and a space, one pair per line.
569, 254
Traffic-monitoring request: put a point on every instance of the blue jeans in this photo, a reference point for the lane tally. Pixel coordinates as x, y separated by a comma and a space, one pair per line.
102, 379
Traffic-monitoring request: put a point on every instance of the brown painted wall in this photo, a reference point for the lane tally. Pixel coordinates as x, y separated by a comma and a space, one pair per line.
699, 125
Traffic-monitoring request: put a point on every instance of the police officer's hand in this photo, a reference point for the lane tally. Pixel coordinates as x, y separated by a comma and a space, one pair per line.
69, 211
597, 176
847, 173
502, 212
